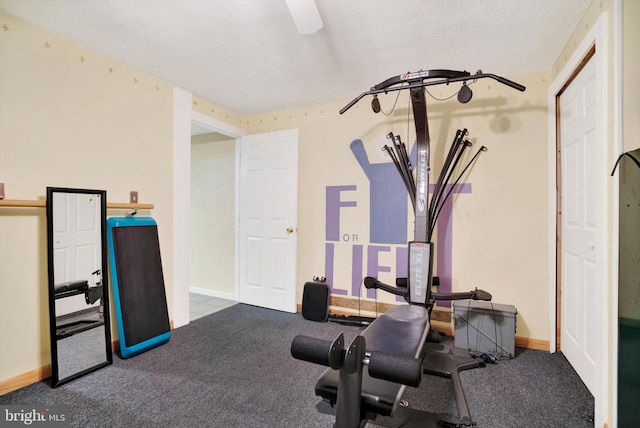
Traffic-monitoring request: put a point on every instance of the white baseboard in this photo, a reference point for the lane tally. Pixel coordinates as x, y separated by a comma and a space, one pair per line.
212, 293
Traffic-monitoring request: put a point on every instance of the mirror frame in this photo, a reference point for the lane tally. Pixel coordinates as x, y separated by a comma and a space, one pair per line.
55, 378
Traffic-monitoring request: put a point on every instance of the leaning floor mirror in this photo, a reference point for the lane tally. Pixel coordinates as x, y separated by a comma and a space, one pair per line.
78, 294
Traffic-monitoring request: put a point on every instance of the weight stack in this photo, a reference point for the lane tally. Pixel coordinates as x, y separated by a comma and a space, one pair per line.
315, 301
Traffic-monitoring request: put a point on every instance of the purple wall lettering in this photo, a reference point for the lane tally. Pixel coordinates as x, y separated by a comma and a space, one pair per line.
388, 225
332, 228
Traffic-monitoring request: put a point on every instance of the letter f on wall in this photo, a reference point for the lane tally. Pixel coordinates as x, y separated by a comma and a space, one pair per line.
332, 228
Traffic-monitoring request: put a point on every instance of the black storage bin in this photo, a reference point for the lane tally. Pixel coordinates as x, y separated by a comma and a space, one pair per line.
315, 301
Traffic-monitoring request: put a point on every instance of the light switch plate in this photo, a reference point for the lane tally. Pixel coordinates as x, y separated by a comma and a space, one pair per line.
133, 197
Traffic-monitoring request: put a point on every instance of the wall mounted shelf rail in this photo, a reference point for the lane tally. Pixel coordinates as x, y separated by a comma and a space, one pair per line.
17, 203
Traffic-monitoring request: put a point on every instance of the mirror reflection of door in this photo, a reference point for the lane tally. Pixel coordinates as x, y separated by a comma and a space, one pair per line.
79, 321
76, 244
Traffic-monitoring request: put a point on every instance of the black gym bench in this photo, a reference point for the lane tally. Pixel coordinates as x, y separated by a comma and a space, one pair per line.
393, 349
77, 322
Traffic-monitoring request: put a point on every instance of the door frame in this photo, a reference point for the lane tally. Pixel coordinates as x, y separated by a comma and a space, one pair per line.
596, 36
601, 150
183, 116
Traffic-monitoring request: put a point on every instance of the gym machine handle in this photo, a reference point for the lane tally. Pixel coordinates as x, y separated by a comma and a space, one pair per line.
420, 76
371, 282
473, 295
401, 290
507, 82
419, 80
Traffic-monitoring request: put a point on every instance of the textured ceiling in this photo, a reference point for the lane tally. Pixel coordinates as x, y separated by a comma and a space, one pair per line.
247, 56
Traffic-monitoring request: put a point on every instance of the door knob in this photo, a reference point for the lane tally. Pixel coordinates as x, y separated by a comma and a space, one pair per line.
290, 230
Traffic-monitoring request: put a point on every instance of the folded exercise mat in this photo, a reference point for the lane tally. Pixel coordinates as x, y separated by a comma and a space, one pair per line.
139, 295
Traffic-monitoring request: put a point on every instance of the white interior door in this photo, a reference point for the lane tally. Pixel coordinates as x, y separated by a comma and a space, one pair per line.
582, 244
76, 244
268, 219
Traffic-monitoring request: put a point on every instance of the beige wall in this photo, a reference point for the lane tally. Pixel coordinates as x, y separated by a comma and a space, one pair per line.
212, 226
72, 118
499, 229
69, 118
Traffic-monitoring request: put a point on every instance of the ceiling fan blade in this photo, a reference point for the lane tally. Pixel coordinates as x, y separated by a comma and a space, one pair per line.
305, 15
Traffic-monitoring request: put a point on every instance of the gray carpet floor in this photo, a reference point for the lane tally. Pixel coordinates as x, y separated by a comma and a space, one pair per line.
234, 369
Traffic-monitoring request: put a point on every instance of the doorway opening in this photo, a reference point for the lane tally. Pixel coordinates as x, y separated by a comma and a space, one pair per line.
212, 222
213, 191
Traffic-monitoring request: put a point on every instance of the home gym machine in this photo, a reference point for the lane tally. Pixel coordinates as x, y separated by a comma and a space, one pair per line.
392, 346
82, 320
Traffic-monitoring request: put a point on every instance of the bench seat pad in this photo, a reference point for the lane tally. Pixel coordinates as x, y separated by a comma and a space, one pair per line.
63, 287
